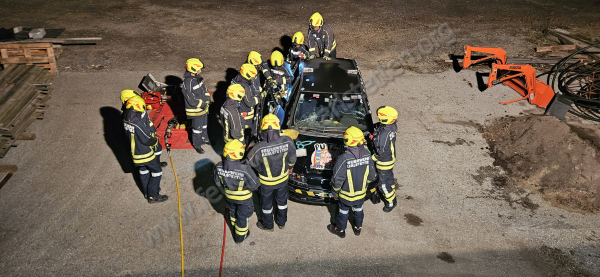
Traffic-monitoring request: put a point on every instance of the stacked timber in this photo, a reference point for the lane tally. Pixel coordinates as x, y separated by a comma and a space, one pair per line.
24, 91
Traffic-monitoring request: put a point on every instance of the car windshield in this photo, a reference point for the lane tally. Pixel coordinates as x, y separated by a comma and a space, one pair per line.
330, 112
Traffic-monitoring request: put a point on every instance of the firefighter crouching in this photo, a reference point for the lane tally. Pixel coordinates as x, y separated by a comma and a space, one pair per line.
231, 117
252, 98
197, 100
272, 158
299, 51
352, 173
384, 141
144, 148
236, 181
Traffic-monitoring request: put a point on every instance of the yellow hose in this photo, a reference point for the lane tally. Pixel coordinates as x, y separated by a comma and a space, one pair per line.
178, 203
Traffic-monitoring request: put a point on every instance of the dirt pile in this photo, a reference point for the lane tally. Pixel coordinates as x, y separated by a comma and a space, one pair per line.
543, 155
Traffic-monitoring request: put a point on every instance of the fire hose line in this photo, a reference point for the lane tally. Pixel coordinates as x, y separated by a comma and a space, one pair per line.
179, 205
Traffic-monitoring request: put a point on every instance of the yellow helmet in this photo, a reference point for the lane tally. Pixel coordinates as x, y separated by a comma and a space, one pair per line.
298, 38
128, 93
193, 65
353, 137
270, 122
254, 58
316, 20
387, 114
137, 103
236, 92
276, 58
248, 71
234, 150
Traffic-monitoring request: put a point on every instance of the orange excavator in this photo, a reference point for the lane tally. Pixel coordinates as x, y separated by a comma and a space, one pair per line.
521, 78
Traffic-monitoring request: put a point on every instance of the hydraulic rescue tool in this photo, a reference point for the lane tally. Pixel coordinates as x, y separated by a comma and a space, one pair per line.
521, 78
163, 101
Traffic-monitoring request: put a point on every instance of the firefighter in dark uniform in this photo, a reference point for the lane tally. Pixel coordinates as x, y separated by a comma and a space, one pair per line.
197, 100
384, 141
236, 181
299, 51
144, 147
273, 159
231, 117
252, 98
255, 59
352, 173
279, 77
320, 36
125, 95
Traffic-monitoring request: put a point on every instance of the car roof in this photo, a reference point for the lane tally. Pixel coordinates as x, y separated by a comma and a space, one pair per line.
330, 76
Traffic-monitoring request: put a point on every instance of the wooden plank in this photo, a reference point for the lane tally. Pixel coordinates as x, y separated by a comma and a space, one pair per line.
63, 41
27, 60
53, 69
6, 172
580, 44
25, 136
37, 45
553, 48
34, 52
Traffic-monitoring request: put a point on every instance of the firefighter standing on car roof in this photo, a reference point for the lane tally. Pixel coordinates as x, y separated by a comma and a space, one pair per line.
236, 181
384, 140
320, 36
299, 51
231, 117
352, 173
279, 75
125, 95
273, 159
252, 98
144, 148
197, 100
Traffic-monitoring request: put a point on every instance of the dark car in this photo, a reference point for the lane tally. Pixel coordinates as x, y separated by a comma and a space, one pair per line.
327, 97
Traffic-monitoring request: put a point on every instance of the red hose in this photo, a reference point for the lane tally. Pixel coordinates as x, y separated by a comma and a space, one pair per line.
224, 238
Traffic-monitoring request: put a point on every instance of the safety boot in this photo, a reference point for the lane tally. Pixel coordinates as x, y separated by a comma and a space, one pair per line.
157, 199
357, 230
244, 238
336, 231
163, 164
262, 227
388, 207
199, 150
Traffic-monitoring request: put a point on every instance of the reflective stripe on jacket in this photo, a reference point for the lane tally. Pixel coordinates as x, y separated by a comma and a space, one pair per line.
384, 141
272, 158
139, 132
235, 180
352, 172
323, 39
197, 97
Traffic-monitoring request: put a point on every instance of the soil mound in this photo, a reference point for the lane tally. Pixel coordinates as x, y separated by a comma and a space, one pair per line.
542, 154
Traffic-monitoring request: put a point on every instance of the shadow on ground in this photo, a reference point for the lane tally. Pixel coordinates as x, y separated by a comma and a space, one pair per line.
204, 185
116, 139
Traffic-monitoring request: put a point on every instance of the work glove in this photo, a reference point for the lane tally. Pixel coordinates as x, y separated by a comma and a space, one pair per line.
327, 58
311, 57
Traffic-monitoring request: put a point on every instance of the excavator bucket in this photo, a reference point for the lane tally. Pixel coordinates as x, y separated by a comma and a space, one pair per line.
542, 95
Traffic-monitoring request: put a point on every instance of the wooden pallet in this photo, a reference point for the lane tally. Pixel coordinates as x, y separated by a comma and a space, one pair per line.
40, 54
24, 91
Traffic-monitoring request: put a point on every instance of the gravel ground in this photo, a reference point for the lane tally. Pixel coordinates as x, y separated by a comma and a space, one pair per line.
72, 209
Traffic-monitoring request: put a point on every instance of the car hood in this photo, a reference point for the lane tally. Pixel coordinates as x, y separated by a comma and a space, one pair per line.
316, 156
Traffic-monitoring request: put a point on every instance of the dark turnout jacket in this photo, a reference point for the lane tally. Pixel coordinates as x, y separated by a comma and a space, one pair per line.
251, 98
140, 133
197, 97
323, 39
272, 158
352, 173
384, 142
231, 119
236, 181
